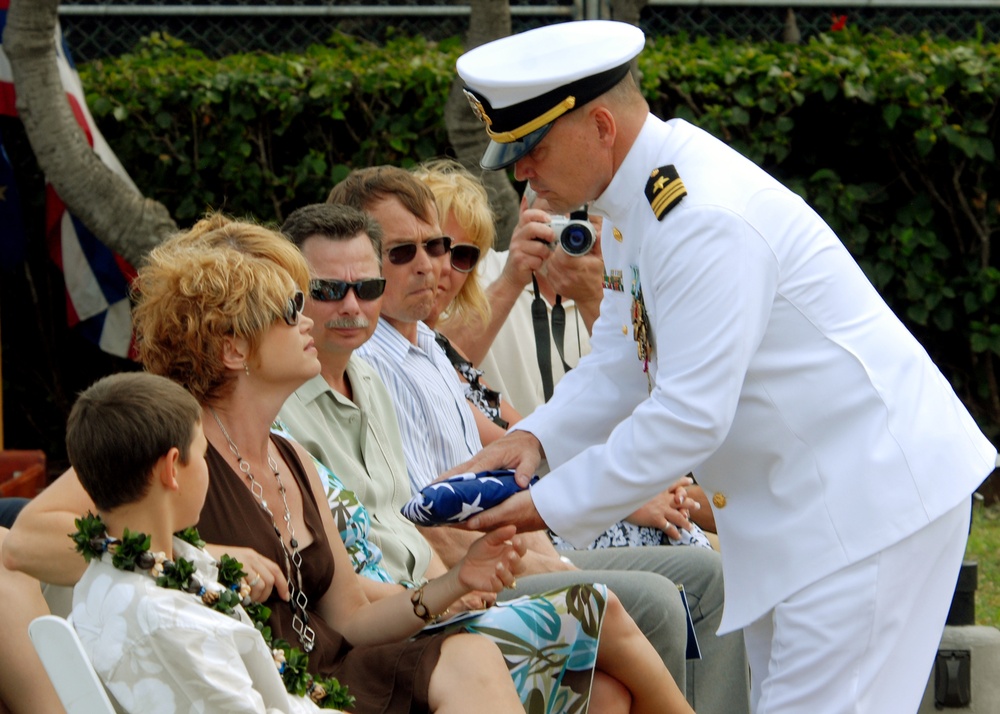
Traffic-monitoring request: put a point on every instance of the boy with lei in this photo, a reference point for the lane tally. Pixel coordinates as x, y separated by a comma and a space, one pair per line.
166, 626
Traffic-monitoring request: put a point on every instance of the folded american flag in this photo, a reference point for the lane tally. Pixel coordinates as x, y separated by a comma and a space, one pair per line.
460, 497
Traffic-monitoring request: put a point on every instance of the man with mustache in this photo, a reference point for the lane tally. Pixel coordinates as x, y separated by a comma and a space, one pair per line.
342, 416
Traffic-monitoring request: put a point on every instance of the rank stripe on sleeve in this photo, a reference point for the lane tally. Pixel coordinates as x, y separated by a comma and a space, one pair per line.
664, 190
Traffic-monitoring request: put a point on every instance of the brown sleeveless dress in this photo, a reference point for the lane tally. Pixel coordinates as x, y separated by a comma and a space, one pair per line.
383, 678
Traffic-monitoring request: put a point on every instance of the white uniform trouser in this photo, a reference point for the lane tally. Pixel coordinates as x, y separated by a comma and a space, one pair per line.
861, 641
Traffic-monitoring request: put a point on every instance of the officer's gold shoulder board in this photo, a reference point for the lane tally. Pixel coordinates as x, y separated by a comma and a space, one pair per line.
664, 190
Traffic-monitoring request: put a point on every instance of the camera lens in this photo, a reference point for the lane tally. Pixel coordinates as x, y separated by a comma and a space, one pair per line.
576, 239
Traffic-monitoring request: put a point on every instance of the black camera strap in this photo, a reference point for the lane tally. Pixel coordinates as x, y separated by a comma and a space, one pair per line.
559, 330
540, 323
558, 311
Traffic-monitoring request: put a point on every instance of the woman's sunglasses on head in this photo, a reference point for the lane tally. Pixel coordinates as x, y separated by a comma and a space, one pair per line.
405, 252
293, 308
333, 290
464, 257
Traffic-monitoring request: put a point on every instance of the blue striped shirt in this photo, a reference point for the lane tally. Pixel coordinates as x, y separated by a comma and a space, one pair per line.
436, 421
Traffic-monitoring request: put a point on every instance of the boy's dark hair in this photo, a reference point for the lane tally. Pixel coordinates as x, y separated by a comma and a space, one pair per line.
334, 221
120, 427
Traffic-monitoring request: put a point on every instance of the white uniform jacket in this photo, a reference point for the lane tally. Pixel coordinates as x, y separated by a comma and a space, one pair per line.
813, 419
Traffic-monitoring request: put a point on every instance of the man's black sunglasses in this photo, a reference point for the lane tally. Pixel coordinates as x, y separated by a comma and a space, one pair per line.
405, 252
464, 257
293, 308
333, 290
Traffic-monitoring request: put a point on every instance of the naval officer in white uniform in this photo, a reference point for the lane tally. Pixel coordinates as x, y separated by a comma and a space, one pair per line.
739, 341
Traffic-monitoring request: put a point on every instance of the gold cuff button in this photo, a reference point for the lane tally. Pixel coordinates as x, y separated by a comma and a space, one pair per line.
624, 329
719, 500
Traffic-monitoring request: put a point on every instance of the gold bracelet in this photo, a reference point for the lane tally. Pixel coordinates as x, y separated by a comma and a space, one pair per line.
419, 609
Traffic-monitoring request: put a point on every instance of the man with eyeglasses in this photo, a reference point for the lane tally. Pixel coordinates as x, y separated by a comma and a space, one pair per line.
438, 431
403, 349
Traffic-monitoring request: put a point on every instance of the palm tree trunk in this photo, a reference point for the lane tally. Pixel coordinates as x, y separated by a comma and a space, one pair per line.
490, 20
627, 10
121, 218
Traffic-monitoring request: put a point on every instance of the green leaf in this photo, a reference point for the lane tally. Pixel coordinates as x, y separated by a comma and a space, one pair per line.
890, 114
739, 116
917, 314
230, 571
90, 536
745, 96
983, 148
785, 124
944, 320
825, 175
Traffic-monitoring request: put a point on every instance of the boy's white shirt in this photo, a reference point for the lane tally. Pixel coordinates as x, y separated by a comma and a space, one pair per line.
160, 650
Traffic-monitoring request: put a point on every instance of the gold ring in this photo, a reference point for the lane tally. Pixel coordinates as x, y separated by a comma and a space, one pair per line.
255, 580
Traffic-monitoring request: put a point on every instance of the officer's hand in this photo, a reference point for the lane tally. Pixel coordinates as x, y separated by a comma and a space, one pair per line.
529, 245
518, 510
518, 450
579, 278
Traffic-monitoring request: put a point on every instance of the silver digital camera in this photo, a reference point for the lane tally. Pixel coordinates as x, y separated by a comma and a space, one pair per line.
576, 236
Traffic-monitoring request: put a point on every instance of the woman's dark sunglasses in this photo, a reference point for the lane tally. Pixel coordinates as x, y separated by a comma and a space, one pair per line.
294, 308
405, 252
333, 290
464, 257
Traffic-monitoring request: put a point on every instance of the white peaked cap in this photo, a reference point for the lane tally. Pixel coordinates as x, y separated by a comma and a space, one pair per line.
519, 85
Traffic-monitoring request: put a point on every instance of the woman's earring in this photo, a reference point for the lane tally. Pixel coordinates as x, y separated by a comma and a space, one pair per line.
246, 368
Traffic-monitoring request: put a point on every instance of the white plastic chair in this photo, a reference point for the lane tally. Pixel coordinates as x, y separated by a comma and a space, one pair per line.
72, 674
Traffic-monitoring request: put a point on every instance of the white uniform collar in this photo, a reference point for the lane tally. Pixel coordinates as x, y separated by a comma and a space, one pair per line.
626, 186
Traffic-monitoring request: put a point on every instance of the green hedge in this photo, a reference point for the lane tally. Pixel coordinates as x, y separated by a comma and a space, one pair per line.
263, 134
891, 138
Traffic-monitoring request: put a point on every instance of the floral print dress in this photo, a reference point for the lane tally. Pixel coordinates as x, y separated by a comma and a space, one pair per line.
549, 641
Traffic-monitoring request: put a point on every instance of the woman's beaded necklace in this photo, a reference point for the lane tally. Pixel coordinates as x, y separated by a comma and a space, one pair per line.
231, 590
297, 599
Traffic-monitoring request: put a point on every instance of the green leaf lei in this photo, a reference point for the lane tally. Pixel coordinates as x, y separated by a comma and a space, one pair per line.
132, 551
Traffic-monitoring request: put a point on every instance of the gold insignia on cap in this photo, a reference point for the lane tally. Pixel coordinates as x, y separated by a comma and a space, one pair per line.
618, 235
506, 137
664, 190
477, 108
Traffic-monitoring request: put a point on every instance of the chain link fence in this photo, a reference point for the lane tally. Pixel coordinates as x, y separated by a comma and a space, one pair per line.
768, 22
100, 28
